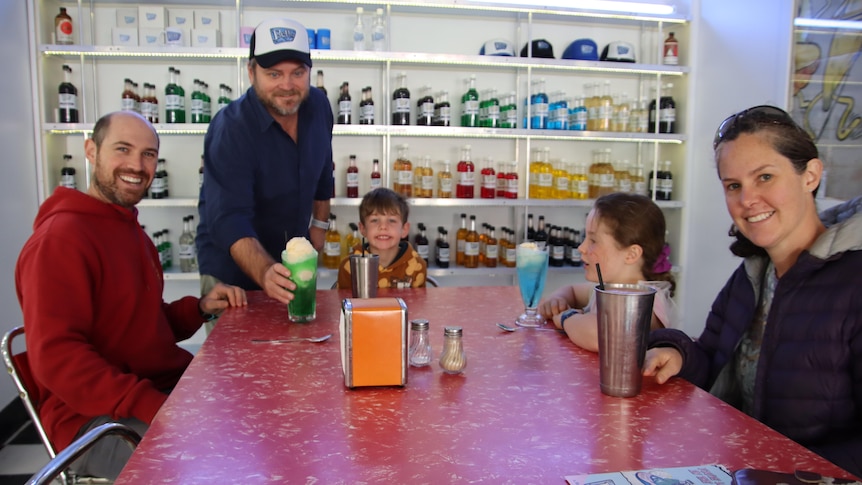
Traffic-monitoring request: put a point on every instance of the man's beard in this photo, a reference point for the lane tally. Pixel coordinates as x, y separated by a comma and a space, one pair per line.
269, 100
112, 193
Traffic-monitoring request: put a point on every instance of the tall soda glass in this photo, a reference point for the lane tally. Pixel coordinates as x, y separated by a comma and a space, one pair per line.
532, 264
301, 259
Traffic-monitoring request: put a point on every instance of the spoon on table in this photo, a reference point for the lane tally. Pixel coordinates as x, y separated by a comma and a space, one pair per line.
293, 339
515, 329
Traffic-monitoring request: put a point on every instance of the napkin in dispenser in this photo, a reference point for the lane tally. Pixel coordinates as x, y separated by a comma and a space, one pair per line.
374, 342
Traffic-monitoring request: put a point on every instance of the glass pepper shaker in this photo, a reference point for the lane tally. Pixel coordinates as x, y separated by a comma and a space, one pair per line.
420, 345
453, 360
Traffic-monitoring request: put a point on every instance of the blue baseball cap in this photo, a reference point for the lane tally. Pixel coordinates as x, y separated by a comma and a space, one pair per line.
582, 50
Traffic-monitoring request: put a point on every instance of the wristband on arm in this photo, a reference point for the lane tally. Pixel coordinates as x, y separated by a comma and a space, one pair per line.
566, 315
319, 224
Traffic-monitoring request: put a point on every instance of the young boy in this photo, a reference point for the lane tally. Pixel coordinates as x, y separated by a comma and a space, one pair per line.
383, 223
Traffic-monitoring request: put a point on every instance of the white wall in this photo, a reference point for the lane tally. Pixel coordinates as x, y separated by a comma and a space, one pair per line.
18, 201
742, 59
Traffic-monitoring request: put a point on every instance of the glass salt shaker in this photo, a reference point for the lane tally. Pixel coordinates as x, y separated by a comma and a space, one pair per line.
420, 345
453, 360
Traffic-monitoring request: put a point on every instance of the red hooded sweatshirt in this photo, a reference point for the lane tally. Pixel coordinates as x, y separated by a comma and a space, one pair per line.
100, 339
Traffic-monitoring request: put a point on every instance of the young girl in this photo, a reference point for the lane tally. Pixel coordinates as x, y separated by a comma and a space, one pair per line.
625, 237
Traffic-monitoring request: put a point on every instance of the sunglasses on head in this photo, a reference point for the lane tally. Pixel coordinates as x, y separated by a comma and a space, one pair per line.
758, 114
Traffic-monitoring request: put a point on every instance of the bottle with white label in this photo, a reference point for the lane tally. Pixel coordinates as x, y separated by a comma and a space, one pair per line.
188, 252
67, 173
401, 102
345, 105
68, 98
403, 171
63, 28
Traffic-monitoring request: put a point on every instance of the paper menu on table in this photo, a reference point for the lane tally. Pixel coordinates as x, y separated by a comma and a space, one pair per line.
690, 475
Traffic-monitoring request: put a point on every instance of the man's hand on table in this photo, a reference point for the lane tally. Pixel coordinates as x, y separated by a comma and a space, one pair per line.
221, 297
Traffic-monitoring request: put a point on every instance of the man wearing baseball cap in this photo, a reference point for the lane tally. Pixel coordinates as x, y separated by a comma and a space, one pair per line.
267, 167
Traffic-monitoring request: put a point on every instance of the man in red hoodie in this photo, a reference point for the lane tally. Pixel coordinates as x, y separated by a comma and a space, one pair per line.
101, 341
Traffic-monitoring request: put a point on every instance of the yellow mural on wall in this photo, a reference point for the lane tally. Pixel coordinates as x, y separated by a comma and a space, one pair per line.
827, 96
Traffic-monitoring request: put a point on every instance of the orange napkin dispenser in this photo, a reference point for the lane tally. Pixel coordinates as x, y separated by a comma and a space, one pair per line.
374, 342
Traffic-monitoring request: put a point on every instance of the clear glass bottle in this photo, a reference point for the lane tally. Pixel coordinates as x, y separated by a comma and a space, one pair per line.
442, 110
223, 98
172, 98
168, 248
188, 256
420, 353
453, 360
509, 111
332, 245
197, 109
671, 51
352, 179
320, 84
538, 105
512, 181
488, 188
366, 107
159, 186
466, 175
345, 105
401, 102
425, 107
403, 171
470, 104
471, 245
444, 179
461, 241
420, 242
359, 31
378, 32
442, 255
376, 181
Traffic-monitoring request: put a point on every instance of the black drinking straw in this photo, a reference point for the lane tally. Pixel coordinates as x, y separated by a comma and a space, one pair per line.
363, 247
601, 281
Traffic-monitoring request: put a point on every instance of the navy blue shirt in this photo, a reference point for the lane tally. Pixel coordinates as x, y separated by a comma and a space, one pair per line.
258, 182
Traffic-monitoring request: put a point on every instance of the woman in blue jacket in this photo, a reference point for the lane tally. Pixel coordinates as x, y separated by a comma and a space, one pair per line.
783, 340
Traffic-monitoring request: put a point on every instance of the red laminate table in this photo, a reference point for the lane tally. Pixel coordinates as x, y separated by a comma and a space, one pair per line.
527, 409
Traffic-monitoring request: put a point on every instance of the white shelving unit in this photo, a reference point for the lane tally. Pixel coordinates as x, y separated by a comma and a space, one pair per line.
434, 43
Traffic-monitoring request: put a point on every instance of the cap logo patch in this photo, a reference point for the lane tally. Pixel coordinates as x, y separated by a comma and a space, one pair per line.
281, 35
500, 45
622, 50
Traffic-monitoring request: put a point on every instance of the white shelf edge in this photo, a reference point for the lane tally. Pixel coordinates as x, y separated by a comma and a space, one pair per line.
174, 274
435, 202
326, 55
414, 131
170, 202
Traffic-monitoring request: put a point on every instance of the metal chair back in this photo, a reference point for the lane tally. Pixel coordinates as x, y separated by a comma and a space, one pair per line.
18, 368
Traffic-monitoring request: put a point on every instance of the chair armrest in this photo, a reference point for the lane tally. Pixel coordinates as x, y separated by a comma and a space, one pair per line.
78, 447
